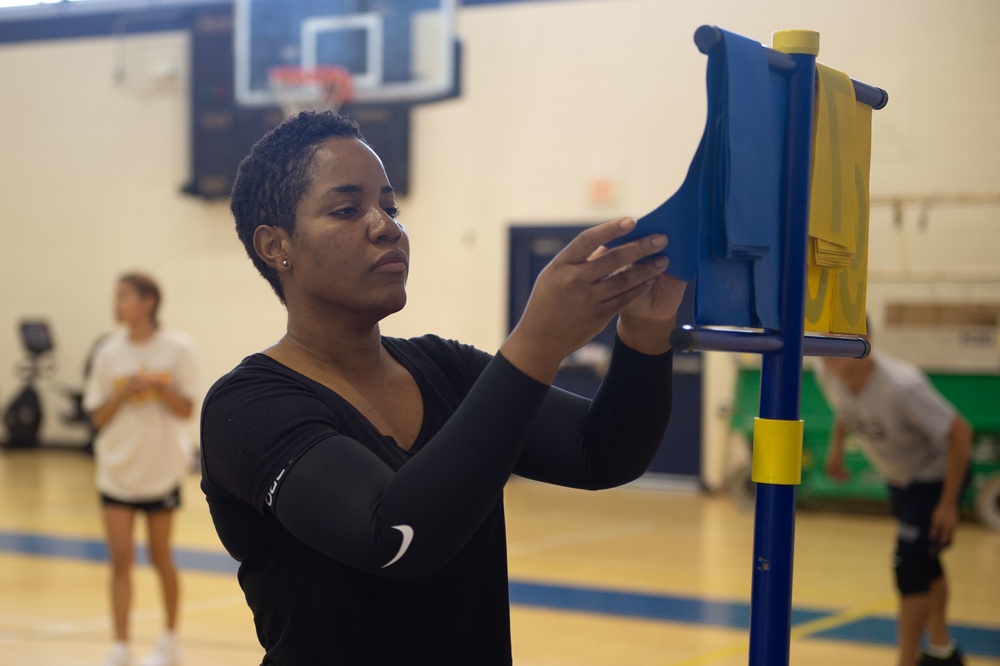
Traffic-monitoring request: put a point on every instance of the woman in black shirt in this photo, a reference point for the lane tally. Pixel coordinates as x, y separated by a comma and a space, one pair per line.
358, 478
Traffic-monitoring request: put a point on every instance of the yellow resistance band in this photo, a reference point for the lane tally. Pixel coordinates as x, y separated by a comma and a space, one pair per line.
777, 452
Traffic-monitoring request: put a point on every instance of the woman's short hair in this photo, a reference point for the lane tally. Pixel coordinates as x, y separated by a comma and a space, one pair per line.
274, 176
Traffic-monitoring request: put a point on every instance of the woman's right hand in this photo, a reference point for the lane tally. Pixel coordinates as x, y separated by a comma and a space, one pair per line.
835, 468
578, 293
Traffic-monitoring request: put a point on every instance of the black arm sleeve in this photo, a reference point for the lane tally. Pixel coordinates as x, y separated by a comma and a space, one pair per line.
344, 501
608, 441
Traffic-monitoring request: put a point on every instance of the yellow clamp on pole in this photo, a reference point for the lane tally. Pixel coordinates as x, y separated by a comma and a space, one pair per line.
777, 452
796, 41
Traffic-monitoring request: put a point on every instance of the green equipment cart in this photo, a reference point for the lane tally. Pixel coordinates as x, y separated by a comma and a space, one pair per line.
977, 396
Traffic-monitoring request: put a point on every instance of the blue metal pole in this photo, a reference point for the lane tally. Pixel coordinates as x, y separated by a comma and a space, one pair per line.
781, 371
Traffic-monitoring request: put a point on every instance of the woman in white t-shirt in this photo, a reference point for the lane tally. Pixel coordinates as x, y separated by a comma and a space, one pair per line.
138, 395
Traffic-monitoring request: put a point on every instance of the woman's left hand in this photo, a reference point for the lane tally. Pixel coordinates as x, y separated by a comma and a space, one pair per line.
659, 304
644, 324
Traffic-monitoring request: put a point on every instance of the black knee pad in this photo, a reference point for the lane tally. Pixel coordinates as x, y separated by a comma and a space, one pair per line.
915, 572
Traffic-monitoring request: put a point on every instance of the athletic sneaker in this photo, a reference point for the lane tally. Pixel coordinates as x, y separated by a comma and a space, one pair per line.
954, 659
119, 656
166, 652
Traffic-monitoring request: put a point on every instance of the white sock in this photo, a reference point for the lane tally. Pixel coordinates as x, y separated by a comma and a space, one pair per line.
941, 652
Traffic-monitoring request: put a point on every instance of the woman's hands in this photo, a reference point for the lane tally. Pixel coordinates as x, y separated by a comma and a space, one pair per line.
144, 385
583, 287
645, 323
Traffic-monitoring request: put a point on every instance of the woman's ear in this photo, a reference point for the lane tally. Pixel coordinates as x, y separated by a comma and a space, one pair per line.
271, 245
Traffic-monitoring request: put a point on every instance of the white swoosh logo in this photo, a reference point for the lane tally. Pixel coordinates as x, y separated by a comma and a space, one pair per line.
407, 539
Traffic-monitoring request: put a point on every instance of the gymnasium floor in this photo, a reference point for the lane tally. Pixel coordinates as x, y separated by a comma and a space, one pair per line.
626, 577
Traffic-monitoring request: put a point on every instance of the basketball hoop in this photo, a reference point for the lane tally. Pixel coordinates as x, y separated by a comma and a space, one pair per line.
300, 89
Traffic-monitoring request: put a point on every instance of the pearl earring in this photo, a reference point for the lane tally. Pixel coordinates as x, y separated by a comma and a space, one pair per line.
284, 262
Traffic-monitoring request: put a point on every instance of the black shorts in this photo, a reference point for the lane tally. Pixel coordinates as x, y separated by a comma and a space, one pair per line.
913, 506
168, 502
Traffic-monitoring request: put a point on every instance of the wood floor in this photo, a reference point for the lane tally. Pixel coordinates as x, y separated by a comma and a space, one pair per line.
633, 577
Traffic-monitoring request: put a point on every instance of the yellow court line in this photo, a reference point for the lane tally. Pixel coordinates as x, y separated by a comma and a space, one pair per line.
716, 655
822, 624
803, 630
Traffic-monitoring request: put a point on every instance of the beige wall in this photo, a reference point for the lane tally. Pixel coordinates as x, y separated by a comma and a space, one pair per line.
555, 94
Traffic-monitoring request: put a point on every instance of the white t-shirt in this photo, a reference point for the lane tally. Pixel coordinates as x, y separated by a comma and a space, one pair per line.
144, 450
901, 420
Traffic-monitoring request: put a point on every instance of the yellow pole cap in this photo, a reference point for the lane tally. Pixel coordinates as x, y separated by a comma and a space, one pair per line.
796, 41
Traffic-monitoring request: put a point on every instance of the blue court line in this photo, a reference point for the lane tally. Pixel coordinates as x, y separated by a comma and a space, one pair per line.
975, 640
39, 545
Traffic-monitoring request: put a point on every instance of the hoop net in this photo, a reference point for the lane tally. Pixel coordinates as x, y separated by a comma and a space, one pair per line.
298, 89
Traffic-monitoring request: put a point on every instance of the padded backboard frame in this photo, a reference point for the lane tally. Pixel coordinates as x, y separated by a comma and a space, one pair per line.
404, 51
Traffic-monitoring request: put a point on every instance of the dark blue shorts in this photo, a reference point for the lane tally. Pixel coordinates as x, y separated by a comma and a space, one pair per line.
916, 563
913, 507
916, 560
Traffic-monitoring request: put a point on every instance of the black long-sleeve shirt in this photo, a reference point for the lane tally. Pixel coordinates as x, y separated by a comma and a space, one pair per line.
354, 551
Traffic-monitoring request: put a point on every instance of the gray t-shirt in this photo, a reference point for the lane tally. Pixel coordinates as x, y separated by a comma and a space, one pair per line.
901, 420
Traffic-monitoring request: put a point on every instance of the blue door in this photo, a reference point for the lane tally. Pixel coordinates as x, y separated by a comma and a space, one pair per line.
531, 249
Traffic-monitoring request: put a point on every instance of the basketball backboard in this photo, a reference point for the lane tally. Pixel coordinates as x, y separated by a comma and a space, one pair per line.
398, 51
